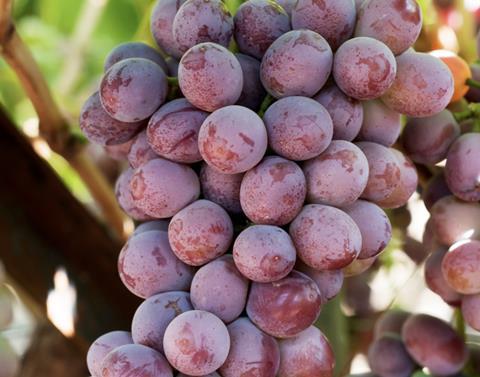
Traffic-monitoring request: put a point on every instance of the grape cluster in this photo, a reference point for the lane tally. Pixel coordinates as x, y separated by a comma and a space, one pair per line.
261, 176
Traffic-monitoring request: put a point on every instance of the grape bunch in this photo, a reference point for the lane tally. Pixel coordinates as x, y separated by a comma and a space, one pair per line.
261, 162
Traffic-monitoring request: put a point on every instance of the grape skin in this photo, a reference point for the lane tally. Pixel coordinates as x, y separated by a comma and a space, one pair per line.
233, 139
160, 225
264, 253
140, 152
161, 188
253, 91
461, 267
214, 374
326, 238
125, 198
153, 316
273, 192
305, 355
338, 176
196, 343
435, 190
161, 26
219, 288
380, 125
257, 24
172, 131
391, 322
134, 50
298, 128
296, 64
133, 89
252, 352
286, 307
470, 310
210, 76
147, 266
364, 68
329, 282
200, 232
388, 357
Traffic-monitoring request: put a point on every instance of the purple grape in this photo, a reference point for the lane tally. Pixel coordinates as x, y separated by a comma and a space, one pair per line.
462, 171
471, 310
332, 19
423, 86
102, 346
374, 226
118, 152
338, 176
219, 288
199, 21
161, 25
427, 140
134, 50
210, 76
296, 64
390, 322
461, 267
135, 360
306, 354
298, 128
161, 188
273, 192
388, 357
433, 344
286, 307
172, 65
213, 374
473, 94
358, 4
196, 343
397, 23
200, 232
253, 91
172, 131
380, 125
264, 253
358, 266
329, 282
252, 352
147, 266
326, 238
154, 315
125, 198
220, 188
233, 139
140, 152
435, 190
133, 89
101, 128
364, 68
161, 225
258, 23
346, 112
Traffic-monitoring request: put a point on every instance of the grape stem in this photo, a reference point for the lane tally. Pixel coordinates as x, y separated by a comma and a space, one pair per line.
172, 80
472, 111
459, 323
267, 101
473, 83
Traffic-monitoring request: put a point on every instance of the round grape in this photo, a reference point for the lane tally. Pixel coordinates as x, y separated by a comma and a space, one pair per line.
125, 198
134, 50
253, 91
388, 357
118, 152
161, 225
390, 322
161, 26
461, 267
329, 282
102, 346
140, 152
380, 125
471, 310
213, 374
435, 190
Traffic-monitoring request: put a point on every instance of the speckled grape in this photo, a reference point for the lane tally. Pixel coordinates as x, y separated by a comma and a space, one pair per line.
125, 198
134, 50
140, 152
471, 310
253, 91
388, 357
102, 346
161, 26
380, 124
329, 282
461, 267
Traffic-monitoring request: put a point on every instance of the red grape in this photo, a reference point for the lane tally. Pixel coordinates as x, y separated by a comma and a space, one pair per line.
435, 190
253, 91
140, 151
380, 124
161, 25
125, 198
473, 94
119, 152
471, 311
102, 346
390, 322
329, 282
388, 357
161, 225
134, 50
461, 267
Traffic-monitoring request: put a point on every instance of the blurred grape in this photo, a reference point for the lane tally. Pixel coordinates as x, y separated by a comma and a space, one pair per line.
388, 357
461, 267
435, 190
329, 282
125, 198
390, 322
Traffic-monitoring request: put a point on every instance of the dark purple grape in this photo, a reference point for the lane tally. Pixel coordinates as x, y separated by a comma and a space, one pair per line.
471, 311
264, 253
473, 94
296, 64
219, 288
305, 355
435, 190
172, 131
298, 128
461, 267
210, 76
154, 315
257, 24
329, 282
286, 307
388, 357
380, 124
253, 91
172, 65
133, 89
390, 322
102, 346
252, 352
161, 26
161, 225
199, 21
134, 50
326, 238
273, 192
196, 343
338, 176
233, 139
140, 152
125, 198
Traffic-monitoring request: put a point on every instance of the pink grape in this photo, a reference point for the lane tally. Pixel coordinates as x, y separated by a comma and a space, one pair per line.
220, 188
210, 76
358, 266
473, 94
380, 125
253, 91
273, 192
161, 225
161, 188
326, 238
133, 89
140, 152
264, 253
196, 343
471, 310
286, 307
118, 152
102, 346
298, 128
306, 354
200, 232
338, 176
219, 288
134, 50
297, 64
396, 23
461, 267
213, 374
125, 198
435, 190
233, 139
172, 131
147, 266
329, 282
252, 352
161, 26
390, 322
346, 112
388, 357
153, 316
